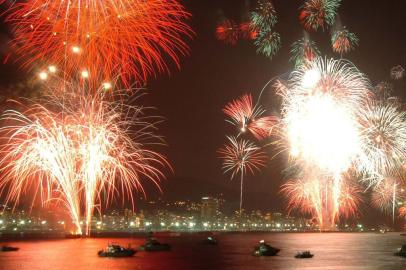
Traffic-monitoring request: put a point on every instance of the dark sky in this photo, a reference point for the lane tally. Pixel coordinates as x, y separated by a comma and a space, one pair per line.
191, 99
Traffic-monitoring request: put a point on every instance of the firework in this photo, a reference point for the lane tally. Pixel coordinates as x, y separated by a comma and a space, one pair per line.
38, 156
320, 113
247, 32
387, 195
320, 107
268, 43
304, 50
349, 199
93, 149
102, 38
383, 132
313, 195
264, 17
245, 116
114, 140
317, 14
343, 41
402, 209
228, 32
397, 72
240, 157
383, 90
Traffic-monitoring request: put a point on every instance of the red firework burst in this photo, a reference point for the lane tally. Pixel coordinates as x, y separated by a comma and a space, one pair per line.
101, 38
245, 116
247, 31
228, 32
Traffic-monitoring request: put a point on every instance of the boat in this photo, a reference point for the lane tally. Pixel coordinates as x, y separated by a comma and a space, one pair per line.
115, 250
264, 249
210, 241
153, 245
7, 249
304, 255
401, 251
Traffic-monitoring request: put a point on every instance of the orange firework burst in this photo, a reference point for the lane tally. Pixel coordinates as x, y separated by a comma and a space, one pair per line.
90, 150
245, 116
101, 38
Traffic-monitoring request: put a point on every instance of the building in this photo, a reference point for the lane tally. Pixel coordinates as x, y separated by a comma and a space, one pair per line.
209, 209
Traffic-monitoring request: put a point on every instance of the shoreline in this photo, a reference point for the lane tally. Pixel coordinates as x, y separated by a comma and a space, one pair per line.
21, 236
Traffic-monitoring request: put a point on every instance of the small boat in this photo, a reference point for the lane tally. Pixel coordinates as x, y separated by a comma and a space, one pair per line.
304, 255
401, 251
210, 241
115, 250
7, 249
264, 249
153, 245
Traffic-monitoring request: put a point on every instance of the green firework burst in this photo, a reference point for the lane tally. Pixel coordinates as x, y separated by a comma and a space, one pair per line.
303, 50
343, 41
264, 17
268, 43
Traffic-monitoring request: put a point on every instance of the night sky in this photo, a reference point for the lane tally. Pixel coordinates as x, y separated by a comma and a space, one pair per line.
213, 74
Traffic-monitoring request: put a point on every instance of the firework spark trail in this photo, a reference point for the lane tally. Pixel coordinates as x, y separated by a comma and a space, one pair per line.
37, 150
241, 156
245, 116
112, 150
321, 103
93, 148
311, 195
102, 38
387, 195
